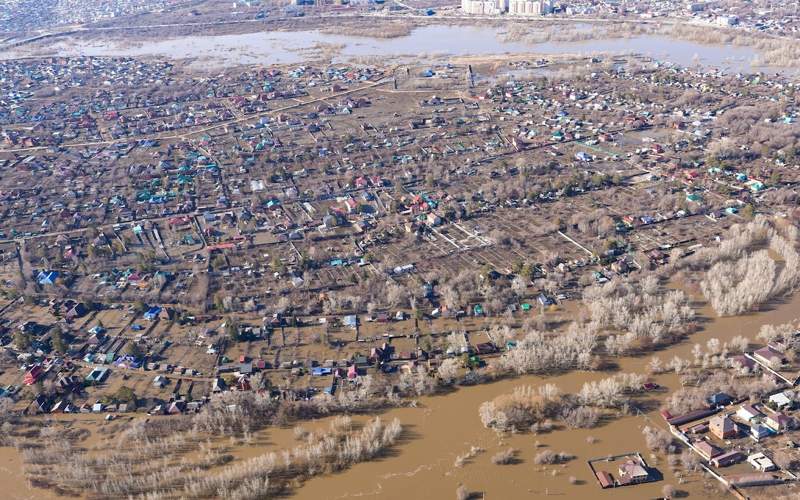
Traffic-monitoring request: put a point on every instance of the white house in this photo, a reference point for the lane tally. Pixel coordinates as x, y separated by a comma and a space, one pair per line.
761, 462
748, 413
781, 400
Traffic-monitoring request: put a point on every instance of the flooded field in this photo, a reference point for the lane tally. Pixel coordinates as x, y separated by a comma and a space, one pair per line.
289, 47
443, 427
15, 486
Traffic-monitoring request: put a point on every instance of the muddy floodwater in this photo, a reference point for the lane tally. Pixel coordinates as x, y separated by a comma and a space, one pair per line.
12, 478
442, 427
288, 47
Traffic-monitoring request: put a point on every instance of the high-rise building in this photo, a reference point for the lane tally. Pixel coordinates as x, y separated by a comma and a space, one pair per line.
512, 7
484, 7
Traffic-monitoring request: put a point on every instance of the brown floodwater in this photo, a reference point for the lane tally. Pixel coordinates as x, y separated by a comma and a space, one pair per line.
12, 478
442, 427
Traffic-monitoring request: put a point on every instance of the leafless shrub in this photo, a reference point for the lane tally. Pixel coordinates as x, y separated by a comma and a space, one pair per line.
659, 440
581, 417
539, 354
462, 460
549, 457
505, 457
520, 409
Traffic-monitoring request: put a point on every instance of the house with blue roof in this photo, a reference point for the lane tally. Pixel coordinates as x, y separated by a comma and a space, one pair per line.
350, 320
152, 313
47, 277
97, 375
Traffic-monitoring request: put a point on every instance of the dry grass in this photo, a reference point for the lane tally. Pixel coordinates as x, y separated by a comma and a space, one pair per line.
380, 30
774, 51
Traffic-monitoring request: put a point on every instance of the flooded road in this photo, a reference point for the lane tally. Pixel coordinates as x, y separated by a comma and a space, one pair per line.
425, 42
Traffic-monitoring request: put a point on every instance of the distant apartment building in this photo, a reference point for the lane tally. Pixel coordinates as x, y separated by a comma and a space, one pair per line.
511, 7
530, 7
484, 7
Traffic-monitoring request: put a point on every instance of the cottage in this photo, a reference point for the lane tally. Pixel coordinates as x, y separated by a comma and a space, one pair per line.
719, 399
769, 356
97, 375
759, 431
723, 427
781, 401
748, 413
633, 472
778, 422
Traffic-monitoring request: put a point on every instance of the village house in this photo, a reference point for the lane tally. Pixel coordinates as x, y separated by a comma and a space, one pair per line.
769, 356
759, 431
761, 462
780, 401
719, 399
779, 422
727, 459
723, 427
748, 413
633, 472
33, 375
707, 450
742, 362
